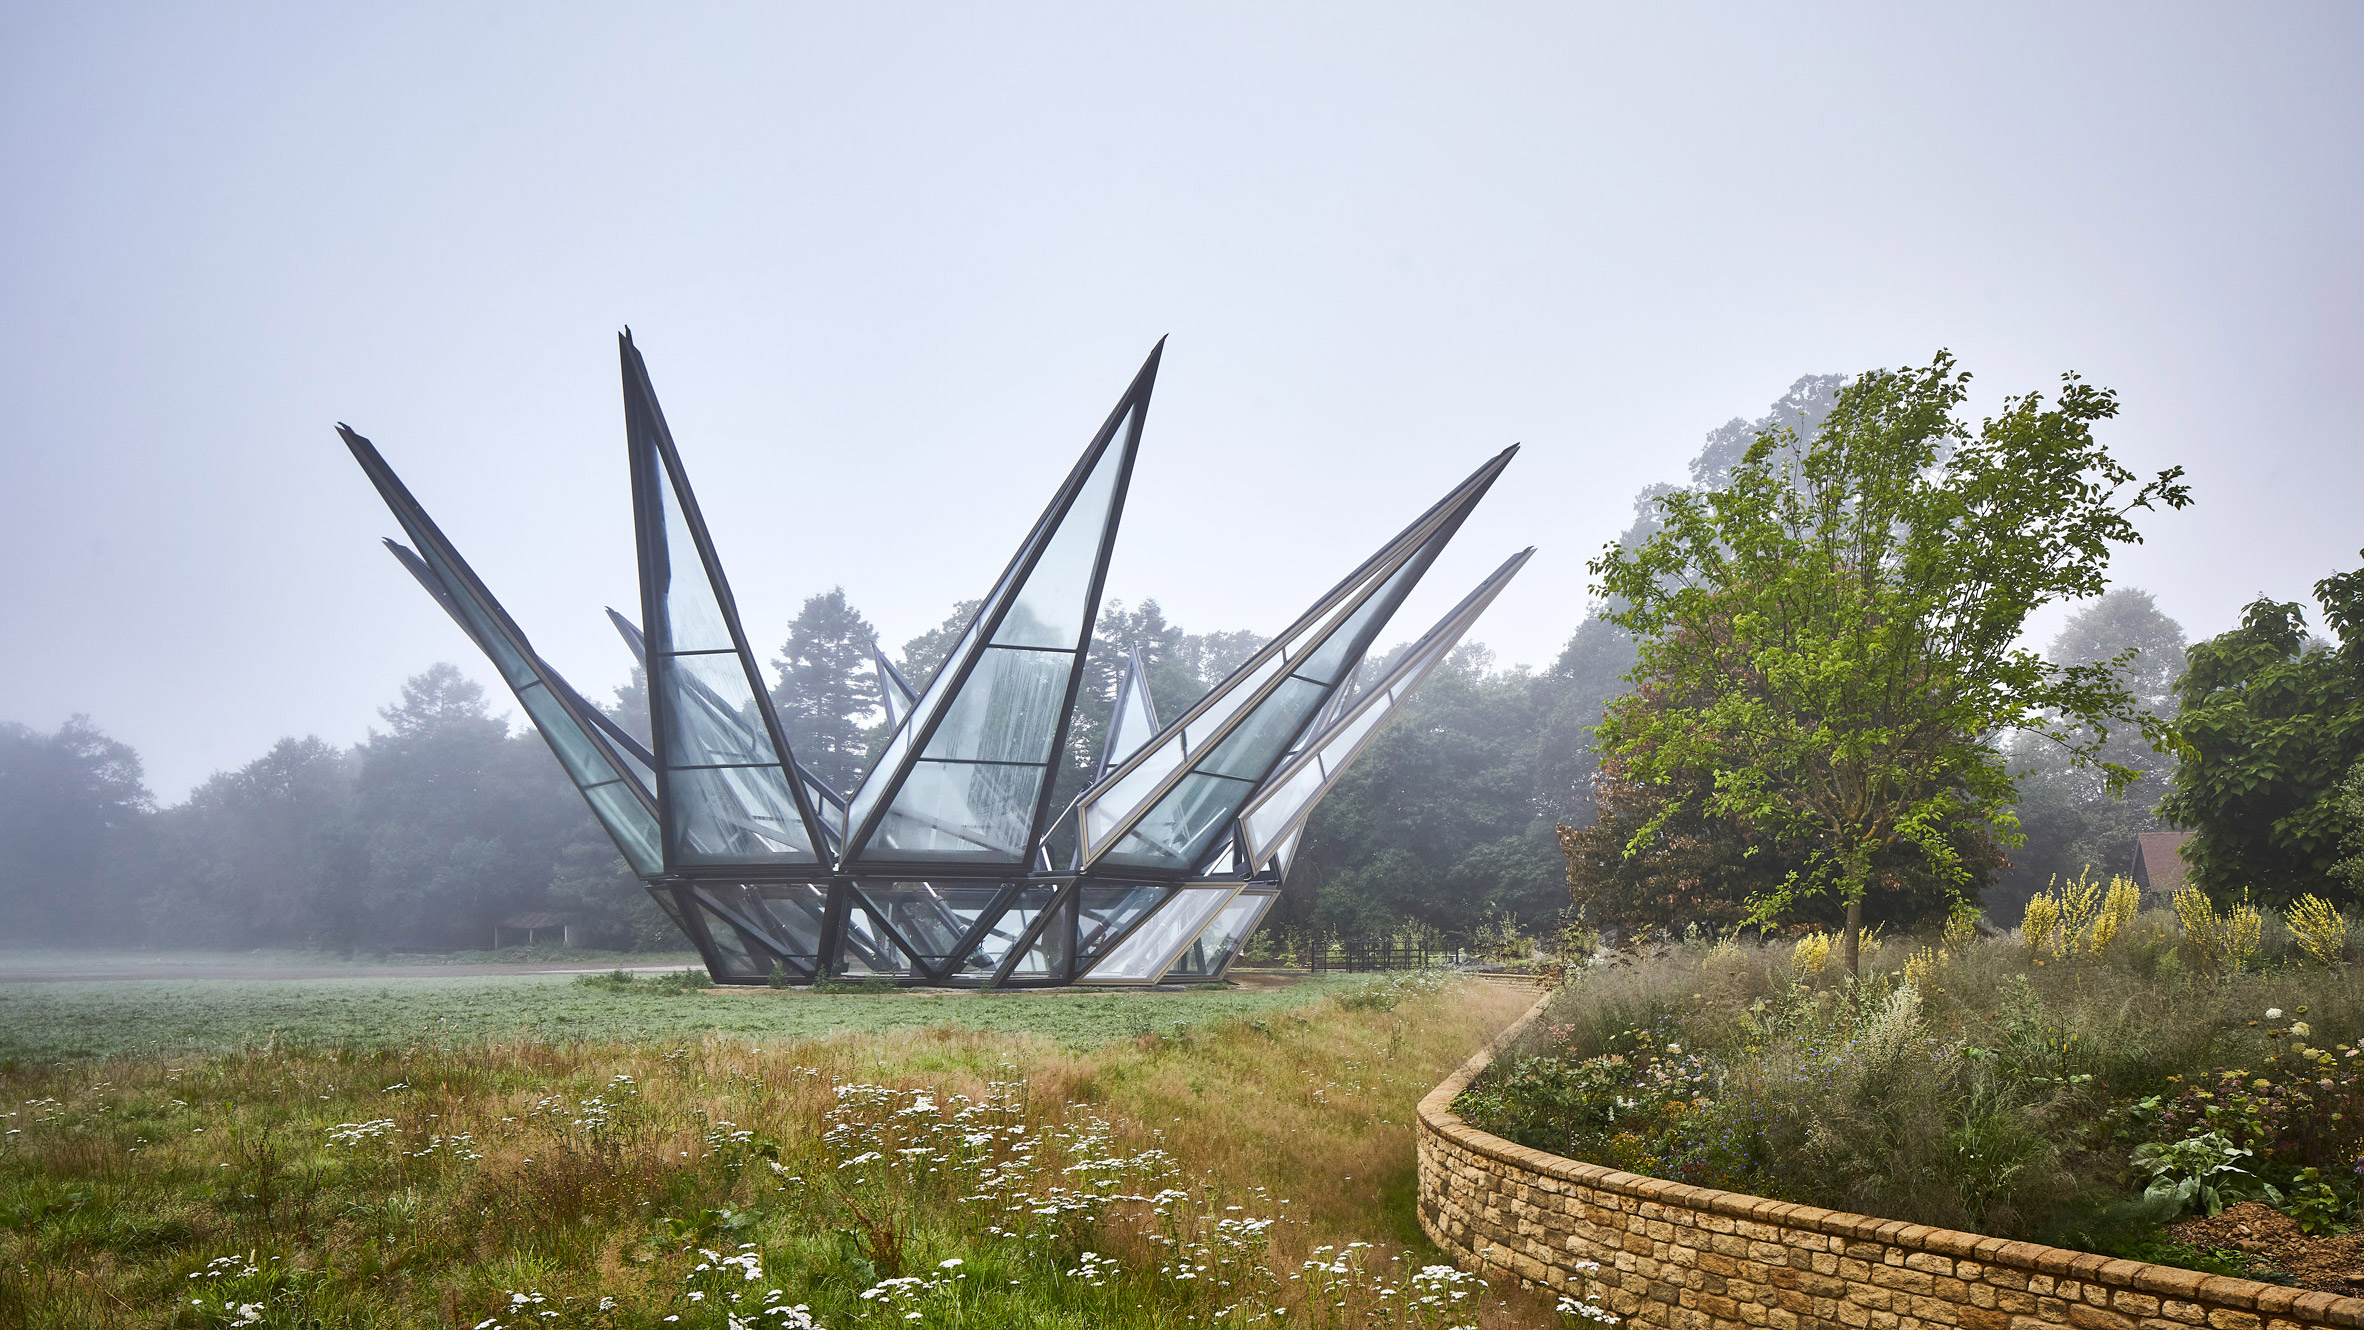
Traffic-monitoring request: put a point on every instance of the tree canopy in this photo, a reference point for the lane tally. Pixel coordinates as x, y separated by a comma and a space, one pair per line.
2272, 723
1827, 640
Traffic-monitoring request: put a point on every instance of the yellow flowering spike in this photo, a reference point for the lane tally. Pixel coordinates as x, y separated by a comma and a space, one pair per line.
1811, 956
2319, 929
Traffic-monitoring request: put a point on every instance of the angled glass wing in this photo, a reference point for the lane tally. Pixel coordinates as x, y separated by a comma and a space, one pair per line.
967, 776
1143, 956
1162, 808
622, 805
1279, 808
1212, 952
895, 693
1132, 723
723, 766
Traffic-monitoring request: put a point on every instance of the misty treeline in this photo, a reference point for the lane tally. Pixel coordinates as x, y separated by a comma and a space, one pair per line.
448, 818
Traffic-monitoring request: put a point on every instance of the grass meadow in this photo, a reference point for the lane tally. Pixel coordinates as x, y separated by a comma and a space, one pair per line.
535, 1152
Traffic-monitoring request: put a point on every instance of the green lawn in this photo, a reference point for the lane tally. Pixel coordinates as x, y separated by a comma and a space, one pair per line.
48, 1022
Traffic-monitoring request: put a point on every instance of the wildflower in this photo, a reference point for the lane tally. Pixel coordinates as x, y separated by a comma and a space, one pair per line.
2273, 1013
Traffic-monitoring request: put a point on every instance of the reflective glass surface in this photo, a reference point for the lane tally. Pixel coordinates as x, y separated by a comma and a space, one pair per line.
868, 949
729, 815
1345, 643
1008, 708
1183, 825
796, 912
1133, 724
986, 956
1142, 957
1213, 949
1271, 817
1106, 911
1111, 807
1251, 749
730, 953
713, 721
960, 810
692, 611
930, 917
1046, 956
630, 823
1049, 608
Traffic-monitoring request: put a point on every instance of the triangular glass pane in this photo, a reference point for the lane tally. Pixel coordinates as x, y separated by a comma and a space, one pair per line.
1212, 951
895, 695
730, 958
722, 772
932, 917
986, 957
991, 720
1285, 853
1134, 720
868, 951
1106, 912
1045, 959
1143, 956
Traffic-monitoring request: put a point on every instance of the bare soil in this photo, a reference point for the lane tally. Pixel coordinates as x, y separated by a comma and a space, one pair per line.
2333, 1264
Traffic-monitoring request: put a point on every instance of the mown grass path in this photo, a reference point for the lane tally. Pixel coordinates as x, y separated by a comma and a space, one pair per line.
50, 1022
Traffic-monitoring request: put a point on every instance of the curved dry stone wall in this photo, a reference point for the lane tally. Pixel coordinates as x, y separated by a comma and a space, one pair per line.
1673, 1257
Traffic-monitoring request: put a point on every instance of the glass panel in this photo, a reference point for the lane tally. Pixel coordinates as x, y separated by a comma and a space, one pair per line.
1049, 609
868, 950
1007, 709
961, 810
692, 612
1250, 750
987, 955
1181, 828
931, 918
1105, 812
1133, 724
723, 815
1107, 911
1194, 734
1213, 949
1046, 957
1267, 819
631, 824
713, 720
584, 765
663, 896
1338, 747
730, 958
1143, 957
866, 797
1346, 642
1284, 853
795, 911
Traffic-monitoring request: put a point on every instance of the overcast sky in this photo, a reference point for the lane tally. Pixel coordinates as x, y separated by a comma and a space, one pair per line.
892, 265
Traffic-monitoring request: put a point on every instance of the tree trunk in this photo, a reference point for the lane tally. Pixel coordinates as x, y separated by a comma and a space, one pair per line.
1854, 937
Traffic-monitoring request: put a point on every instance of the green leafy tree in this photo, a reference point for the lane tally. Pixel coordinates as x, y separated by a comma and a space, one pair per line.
260, 855
2272, 723
828, 689
1829, 638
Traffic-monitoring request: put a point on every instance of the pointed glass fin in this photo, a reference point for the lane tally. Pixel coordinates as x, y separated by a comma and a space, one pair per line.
1161, 809
1213, 951
895, 693
1281, 805
723, 765
1133, 721
966, 779
624, 806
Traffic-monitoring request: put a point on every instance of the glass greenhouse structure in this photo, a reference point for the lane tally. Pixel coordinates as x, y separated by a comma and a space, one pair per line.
948, 864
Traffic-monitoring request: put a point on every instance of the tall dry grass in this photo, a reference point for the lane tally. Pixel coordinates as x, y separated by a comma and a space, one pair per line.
431, 1186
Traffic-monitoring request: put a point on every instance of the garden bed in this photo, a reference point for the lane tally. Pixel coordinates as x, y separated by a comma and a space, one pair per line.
2058, 1087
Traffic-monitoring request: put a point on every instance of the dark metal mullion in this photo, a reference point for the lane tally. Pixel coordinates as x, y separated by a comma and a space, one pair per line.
833, 907
990, 616
974, 762
1138, 395
749, 930
1060, 898
894, 934
661, 439
656, 621
999, 906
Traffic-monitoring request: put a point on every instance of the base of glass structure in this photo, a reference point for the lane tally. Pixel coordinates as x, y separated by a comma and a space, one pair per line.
1039, 931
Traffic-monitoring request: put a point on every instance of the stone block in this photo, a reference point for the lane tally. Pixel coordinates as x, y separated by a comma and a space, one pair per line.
2087, 1317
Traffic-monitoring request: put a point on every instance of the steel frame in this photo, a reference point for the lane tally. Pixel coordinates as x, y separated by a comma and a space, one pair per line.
743, 916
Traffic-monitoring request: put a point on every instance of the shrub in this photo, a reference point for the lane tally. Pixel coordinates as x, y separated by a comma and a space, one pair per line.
2225, 942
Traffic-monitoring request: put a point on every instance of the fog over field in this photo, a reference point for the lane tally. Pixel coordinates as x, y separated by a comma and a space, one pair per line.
890, 269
